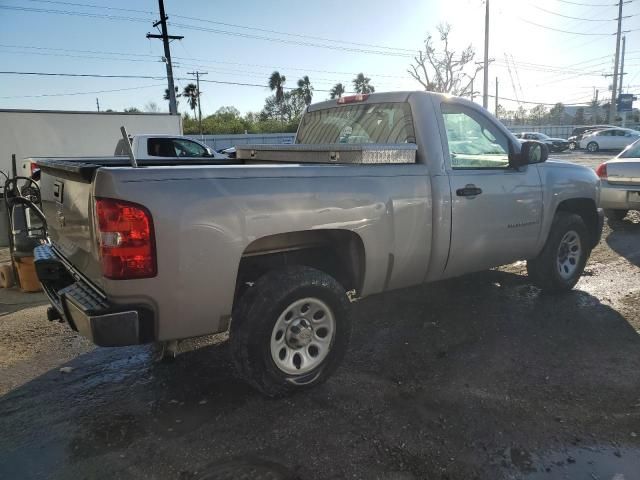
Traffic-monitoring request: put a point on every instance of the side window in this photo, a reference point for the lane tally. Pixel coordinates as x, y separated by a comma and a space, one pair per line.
187, 148
160, 147
474, 142
620, 133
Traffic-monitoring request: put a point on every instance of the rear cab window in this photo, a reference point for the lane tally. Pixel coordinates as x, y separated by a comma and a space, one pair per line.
378, 123
160, 147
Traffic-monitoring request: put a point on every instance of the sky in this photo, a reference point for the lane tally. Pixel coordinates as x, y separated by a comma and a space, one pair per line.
242, 42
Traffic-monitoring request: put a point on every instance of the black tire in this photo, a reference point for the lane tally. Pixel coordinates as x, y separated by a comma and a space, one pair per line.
255, 316
616, 215
543, 270
593, 147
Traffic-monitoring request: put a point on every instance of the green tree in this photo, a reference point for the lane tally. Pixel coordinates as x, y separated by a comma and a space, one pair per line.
501, 113
538, 113
276, 84
305, 89
287, 110
579, 117
520, 116
151, 107
192, 95
337, 91
131, 110
556, 114
166, 95
362, 84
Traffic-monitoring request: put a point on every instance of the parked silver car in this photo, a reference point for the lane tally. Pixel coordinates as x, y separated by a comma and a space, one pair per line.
609, 139
620, 183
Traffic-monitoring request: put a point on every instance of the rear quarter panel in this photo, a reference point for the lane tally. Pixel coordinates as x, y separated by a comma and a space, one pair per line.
204, 218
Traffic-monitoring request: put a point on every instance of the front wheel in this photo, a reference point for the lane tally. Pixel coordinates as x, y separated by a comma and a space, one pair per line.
290, 330
593, 147
572, 145
562, 260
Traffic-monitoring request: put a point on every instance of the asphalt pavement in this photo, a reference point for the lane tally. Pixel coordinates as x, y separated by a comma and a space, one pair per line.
480, 377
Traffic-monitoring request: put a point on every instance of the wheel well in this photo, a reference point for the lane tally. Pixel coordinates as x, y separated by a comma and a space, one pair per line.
586, 208
339, 253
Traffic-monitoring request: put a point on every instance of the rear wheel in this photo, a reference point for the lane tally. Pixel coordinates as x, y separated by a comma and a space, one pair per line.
616, 214
564, 256
290, 330
593, 147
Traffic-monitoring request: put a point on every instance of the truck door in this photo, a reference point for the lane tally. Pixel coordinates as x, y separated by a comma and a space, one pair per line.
496, 209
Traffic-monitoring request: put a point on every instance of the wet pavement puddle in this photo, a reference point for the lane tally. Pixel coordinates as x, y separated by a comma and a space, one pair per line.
589, 463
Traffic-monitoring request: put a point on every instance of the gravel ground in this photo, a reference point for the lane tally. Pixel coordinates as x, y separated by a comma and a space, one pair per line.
480, 377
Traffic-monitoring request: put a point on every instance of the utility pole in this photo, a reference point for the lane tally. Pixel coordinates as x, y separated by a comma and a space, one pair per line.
485, 92
624, 42
612, 106
197, 74
624, 114
497, 97
173, 107
98, 104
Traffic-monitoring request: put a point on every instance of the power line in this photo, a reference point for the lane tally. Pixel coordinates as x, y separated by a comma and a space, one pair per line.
98, 75
241, 64
574, 18
72, 4
205, 20
290, 42
217, 31
566, 31
84, 93
589, 4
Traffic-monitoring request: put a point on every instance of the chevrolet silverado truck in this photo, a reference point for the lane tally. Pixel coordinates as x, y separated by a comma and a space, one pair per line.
378, 192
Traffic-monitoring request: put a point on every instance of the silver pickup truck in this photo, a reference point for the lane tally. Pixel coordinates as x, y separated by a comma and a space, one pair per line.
379, 192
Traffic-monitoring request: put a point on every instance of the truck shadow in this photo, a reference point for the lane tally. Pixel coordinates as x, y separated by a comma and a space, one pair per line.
441, 364
624, 236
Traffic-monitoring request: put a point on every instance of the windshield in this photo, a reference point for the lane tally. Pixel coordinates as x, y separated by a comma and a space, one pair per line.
633, 151
359, 123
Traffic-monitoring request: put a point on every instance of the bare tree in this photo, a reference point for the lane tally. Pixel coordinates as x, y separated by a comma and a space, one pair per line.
442, 69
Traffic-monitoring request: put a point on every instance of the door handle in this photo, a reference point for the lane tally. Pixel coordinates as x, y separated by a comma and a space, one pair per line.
469, 191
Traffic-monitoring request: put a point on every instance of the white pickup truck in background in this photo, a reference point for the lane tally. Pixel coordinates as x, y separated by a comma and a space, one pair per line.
36, 133
169, 148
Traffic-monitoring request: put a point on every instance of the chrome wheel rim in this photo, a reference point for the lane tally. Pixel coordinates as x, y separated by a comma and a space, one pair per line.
302, 336
592, 147
569, 253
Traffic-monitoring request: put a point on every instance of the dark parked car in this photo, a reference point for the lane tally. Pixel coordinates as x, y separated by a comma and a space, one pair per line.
579, 132
554, 144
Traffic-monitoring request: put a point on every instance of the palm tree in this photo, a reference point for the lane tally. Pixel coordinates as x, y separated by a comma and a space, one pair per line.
276, 83
337, 91
166, 94
192, 95
362, 85
305, 90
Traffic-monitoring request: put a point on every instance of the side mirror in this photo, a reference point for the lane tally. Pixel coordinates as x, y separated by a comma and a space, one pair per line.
531, 152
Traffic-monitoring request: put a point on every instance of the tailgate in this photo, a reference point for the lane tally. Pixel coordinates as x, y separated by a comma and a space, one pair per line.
624, 172
67, 202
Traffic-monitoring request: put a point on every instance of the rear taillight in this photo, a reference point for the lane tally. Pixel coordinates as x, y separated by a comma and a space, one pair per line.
361, 97
601, 171
34, 167
125, 238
